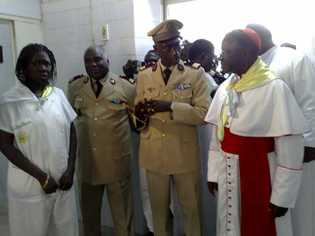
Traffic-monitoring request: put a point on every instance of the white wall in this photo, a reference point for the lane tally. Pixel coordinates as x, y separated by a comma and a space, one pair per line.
27, 32
21, 8
67, 33
70, 26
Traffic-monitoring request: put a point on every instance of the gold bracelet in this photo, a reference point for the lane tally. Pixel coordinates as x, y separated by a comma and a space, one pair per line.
46, 182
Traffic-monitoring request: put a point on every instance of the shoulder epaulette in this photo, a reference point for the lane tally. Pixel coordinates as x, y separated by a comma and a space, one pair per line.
79, 77
151, 65
187, 63
180, 67
130, 80
154, 66
112, 81
196, 66
142, 68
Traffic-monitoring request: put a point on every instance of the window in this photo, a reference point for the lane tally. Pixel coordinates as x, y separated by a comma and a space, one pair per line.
289, 21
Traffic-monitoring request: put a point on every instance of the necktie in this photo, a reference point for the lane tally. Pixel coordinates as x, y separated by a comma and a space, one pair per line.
166, 75
98, 88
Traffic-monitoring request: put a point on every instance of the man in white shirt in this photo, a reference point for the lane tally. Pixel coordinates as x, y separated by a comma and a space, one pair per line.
298, 72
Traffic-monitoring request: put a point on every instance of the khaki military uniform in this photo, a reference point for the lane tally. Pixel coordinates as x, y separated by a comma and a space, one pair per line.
169, 145
104, 149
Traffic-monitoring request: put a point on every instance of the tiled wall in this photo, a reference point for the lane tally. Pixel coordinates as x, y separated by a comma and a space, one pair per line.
67, 33
70, 26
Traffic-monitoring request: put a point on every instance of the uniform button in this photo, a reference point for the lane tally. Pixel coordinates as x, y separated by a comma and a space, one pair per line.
229, 158
163, 121
229, 166
94, 134
229, 214
229, 222
228, 229
165, 94
95, 118
94, 149
96, 103
229, 198
230, 206
163, 135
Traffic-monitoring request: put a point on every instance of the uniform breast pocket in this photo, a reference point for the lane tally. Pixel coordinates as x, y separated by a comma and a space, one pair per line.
151, 93
79, 105
184, 95
117, 104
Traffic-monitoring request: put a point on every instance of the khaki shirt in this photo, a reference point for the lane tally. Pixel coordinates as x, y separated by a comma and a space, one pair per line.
169, 144
103, 128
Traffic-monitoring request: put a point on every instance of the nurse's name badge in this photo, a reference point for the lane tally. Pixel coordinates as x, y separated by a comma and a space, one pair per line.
22, 137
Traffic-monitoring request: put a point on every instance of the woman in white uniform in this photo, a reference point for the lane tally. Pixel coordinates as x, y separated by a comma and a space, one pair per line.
38, 138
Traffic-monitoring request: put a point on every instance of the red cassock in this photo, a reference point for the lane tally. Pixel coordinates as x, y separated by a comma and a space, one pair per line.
255, 185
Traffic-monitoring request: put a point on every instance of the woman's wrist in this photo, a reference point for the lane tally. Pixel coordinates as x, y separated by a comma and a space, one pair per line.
42, 177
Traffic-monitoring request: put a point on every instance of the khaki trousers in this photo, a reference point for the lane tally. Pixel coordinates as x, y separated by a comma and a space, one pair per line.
188, 193
120, 202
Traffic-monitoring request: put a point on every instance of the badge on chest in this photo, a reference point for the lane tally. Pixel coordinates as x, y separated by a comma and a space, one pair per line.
183, 86
22, 137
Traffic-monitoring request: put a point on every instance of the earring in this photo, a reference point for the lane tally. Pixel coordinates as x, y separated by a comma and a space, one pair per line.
21, 77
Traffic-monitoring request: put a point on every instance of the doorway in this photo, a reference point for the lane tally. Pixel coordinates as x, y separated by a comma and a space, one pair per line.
7, 80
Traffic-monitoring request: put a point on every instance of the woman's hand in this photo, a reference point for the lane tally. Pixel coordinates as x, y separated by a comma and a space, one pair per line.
66, 180
49, 185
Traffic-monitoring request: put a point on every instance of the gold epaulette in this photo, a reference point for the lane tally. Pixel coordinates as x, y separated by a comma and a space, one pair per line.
86, 79
195, 66
142, 68
130, 80
152, 65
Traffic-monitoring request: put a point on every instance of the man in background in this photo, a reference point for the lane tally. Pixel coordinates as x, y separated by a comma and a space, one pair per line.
100, 100
202, 52
298, 72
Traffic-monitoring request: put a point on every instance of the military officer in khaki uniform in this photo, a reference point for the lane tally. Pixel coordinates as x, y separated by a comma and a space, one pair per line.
100, 100
176, 99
